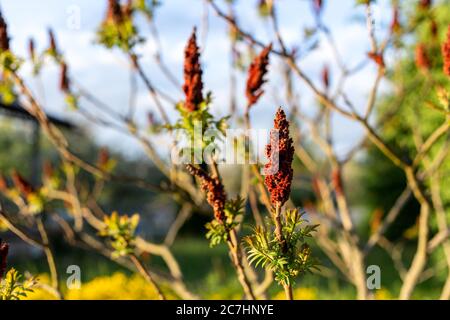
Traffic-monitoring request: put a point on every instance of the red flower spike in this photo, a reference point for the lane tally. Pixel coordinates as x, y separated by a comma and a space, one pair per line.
280, 152
193, 84
215, 192
256, 73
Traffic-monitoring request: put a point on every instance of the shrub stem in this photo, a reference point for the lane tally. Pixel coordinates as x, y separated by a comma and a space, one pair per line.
236, 257
143, 271
283, 245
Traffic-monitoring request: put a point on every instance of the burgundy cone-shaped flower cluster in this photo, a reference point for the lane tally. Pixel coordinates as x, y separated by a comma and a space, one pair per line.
4, 38
114, 12
4, 247
280, 153
256, 73
215, 192
193, 85
446, 53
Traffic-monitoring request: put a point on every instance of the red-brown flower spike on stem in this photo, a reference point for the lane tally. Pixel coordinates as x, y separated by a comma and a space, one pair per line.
422, 59
280, 152
193, 85
4, 38
215, 192
255, 79
446, 53
114, 12
4, 248
64, 82
24, 187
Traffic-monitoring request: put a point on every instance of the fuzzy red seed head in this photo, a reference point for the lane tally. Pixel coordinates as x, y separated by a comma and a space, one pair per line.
215, 191
114, 12
193, 85
280, 152
256, 73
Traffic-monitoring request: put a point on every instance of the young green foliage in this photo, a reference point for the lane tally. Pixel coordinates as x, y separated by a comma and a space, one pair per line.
118, 29
197, 123
218, 231
12, 288
121, 231
289, 261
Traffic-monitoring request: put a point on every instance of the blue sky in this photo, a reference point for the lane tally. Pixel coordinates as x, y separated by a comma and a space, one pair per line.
106, 72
